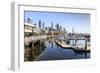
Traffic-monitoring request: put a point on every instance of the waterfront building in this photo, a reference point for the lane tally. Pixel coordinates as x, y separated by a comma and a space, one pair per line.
31, 28
28, 27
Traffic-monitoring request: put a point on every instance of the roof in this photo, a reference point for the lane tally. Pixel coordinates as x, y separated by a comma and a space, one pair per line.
29, 24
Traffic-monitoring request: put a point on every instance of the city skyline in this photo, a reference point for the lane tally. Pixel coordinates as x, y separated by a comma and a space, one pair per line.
79, 21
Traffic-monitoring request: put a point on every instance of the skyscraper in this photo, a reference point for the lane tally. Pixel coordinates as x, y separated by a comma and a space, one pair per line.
60, 28
57, 26
29, 20
73, 30
43, 25
52, 27
40, 23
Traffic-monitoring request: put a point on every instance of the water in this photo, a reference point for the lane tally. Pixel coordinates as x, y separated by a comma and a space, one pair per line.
55, 52
79, 42
52, 51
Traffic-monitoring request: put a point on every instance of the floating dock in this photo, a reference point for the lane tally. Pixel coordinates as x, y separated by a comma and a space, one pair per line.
62, 44
75, 48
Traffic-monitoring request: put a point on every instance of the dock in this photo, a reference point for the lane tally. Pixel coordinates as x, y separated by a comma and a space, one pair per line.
75, 48
62, 44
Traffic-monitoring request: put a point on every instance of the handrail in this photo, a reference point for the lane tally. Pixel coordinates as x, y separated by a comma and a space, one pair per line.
34, 38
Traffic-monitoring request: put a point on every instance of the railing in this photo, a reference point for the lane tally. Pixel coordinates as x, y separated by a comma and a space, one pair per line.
34, 38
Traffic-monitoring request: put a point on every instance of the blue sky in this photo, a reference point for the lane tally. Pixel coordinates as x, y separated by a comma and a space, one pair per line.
79, 21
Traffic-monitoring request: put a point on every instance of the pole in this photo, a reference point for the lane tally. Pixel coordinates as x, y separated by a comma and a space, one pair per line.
86, 44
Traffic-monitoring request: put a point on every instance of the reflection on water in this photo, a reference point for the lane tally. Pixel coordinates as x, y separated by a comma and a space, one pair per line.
79, 42
33, 50
49, 50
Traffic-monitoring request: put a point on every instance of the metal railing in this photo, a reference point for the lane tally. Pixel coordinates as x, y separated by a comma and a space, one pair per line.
34, 38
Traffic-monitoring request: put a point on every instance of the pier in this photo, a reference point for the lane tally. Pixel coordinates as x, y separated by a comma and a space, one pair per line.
34, 38
63, 44
75, 48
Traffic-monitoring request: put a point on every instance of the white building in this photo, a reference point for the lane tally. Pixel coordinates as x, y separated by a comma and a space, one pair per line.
29, 28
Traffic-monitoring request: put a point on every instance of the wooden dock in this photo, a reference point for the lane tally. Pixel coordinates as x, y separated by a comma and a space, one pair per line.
75, 48
63, 44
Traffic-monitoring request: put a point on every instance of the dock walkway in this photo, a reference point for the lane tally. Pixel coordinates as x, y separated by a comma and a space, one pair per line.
75, 48
62, 44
